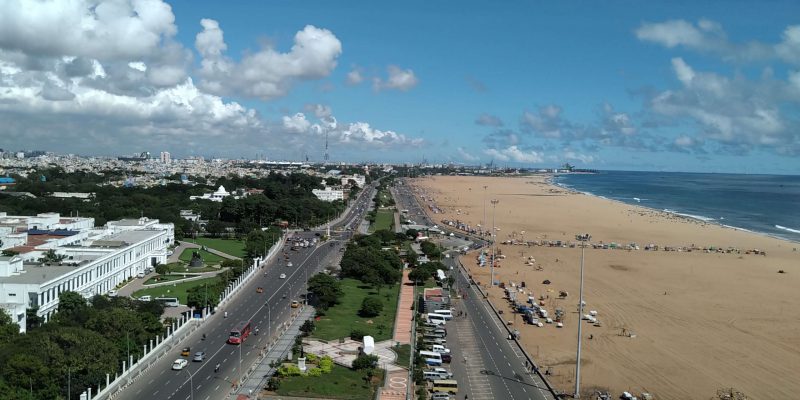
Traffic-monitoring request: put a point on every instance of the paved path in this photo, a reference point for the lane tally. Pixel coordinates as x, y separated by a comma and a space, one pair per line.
405, 315
344, 353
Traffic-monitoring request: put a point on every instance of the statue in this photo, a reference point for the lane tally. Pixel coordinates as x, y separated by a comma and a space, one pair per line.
197, 260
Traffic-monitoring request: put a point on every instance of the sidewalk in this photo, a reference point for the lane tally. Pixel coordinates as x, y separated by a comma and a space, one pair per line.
396, 382
257, 376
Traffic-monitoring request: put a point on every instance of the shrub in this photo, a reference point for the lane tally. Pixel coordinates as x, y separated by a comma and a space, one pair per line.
311, 357
371, 306
326, 364
357, 334
289, 370
365, 361
314, 372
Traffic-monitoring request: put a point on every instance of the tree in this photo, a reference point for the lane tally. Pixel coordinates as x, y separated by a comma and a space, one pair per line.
308, 327
73, 309
430, 249
215, 228
412, 233
386, 236
8, 329
163, 269
365, 361
325, 290
371, 306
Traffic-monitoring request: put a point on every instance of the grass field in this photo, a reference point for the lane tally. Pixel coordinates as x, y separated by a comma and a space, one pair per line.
339, 320
403, 352
178, 290
341, 383
163, 278
208, 258
227, 246
384, 219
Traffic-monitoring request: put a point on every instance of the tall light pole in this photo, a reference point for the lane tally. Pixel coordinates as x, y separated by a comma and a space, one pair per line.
494, 239
483, 223
583, 239
191, 384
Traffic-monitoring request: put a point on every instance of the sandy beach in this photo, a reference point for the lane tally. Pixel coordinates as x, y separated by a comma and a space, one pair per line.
694, 321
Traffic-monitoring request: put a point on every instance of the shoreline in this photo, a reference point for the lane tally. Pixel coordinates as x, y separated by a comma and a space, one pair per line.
689, 217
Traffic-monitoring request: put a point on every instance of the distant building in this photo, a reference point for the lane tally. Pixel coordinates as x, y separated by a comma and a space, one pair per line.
89, 260
329, 194
165, 157
360, 180
217, 196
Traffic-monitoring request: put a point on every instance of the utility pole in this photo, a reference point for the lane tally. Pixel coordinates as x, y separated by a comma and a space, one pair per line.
583, 239
494, 239
483, 222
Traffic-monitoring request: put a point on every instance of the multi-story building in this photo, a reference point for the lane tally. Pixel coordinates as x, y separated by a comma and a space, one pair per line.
166, 158
47, 255
329, 194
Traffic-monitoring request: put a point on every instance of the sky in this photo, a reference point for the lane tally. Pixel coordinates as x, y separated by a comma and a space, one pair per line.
669, 86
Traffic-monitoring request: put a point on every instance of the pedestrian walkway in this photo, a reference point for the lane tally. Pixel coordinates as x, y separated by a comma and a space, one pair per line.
345, 352
258, 375
405, 315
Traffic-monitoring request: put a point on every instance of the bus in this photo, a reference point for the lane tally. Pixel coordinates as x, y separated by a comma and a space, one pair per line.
239, 333
445, 385
431, 357
168, 301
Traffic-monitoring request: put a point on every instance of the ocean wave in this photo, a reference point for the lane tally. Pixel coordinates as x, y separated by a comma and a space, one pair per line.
783, 228
692, 216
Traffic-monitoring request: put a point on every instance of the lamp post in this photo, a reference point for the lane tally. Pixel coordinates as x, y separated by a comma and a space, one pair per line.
483, 222
191, 384
494, 239
583, 239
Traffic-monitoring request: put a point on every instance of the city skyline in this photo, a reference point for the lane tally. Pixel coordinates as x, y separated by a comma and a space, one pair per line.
674, 87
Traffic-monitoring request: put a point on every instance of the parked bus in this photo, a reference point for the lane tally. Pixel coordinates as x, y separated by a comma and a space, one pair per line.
239, 333
445, 385
431, 357
169, 301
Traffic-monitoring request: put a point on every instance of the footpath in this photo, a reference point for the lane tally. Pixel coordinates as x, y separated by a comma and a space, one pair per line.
398, 380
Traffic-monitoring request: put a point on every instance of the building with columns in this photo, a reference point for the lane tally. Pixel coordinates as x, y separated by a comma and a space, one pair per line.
47, 254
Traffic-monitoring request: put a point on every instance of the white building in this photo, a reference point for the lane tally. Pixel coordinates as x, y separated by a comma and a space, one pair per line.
92, 260
166, 158
360, 180
217, 196
328, 194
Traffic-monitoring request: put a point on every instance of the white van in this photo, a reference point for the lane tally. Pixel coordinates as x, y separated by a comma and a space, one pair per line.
430, 375
146, 297
437, 348
431, 357
448, 314
436, 319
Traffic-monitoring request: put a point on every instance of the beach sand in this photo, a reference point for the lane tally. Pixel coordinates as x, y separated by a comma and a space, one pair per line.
702, 321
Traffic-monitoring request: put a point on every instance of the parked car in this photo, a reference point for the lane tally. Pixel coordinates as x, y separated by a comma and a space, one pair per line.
289, 264
283, 276
199, 356
179, 364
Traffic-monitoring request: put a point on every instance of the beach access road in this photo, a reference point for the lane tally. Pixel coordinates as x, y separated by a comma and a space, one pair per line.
489, 365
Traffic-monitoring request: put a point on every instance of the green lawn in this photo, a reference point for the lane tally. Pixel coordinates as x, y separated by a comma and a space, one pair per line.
227, 246
403, 352
341, 383
208, 258
177, 290
164, 278
339, 320
384, 219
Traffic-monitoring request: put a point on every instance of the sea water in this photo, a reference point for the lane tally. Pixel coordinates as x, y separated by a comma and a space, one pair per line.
766, 204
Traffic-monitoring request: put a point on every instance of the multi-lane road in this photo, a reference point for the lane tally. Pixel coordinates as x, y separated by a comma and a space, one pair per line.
267, 311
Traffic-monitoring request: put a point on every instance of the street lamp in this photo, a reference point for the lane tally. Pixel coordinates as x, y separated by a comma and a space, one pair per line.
494, 239
583, 239
191, 384
483, 222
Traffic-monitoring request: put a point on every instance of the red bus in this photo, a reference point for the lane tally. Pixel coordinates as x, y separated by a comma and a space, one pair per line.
239, 333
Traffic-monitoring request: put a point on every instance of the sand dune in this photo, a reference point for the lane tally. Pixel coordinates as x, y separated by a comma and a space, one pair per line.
726, 320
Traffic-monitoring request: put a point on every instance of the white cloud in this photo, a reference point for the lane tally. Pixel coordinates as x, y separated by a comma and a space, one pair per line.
296, 123
466, 156
267, 73
398, 79
514, 153
548, 122
360, 134
574, 156
354, 77
489, 120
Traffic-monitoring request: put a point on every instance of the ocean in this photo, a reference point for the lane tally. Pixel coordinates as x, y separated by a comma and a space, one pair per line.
766, 204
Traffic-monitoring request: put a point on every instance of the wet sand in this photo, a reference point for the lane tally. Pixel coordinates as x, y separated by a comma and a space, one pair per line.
701, 320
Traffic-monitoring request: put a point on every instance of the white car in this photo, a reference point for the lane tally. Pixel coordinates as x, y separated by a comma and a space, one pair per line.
289, 264
179, 364
283, 276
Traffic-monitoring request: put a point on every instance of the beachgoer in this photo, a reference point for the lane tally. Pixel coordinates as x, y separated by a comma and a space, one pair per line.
226, 314
216, 368
204, 336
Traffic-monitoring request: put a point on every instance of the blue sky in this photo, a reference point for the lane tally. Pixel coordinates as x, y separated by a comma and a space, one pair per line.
674, 86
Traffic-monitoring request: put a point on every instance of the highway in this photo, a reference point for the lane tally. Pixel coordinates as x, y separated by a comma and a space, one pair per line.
266, 311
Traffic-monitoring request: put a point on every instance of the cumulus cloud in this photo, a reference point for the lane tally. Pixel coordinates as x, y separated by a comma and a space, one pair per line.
548, 122
398, 79
515, 154
737, 113
489, 120
354, 77
709, 37
465, 155
267, 73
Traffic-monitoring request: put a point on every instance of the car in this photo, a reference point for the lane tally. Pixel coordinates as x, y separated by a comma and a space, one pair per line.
179, 364
186, 351
199, 356
259, 290
289, 264
295, 304
440, 396
112, 292
283, 276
